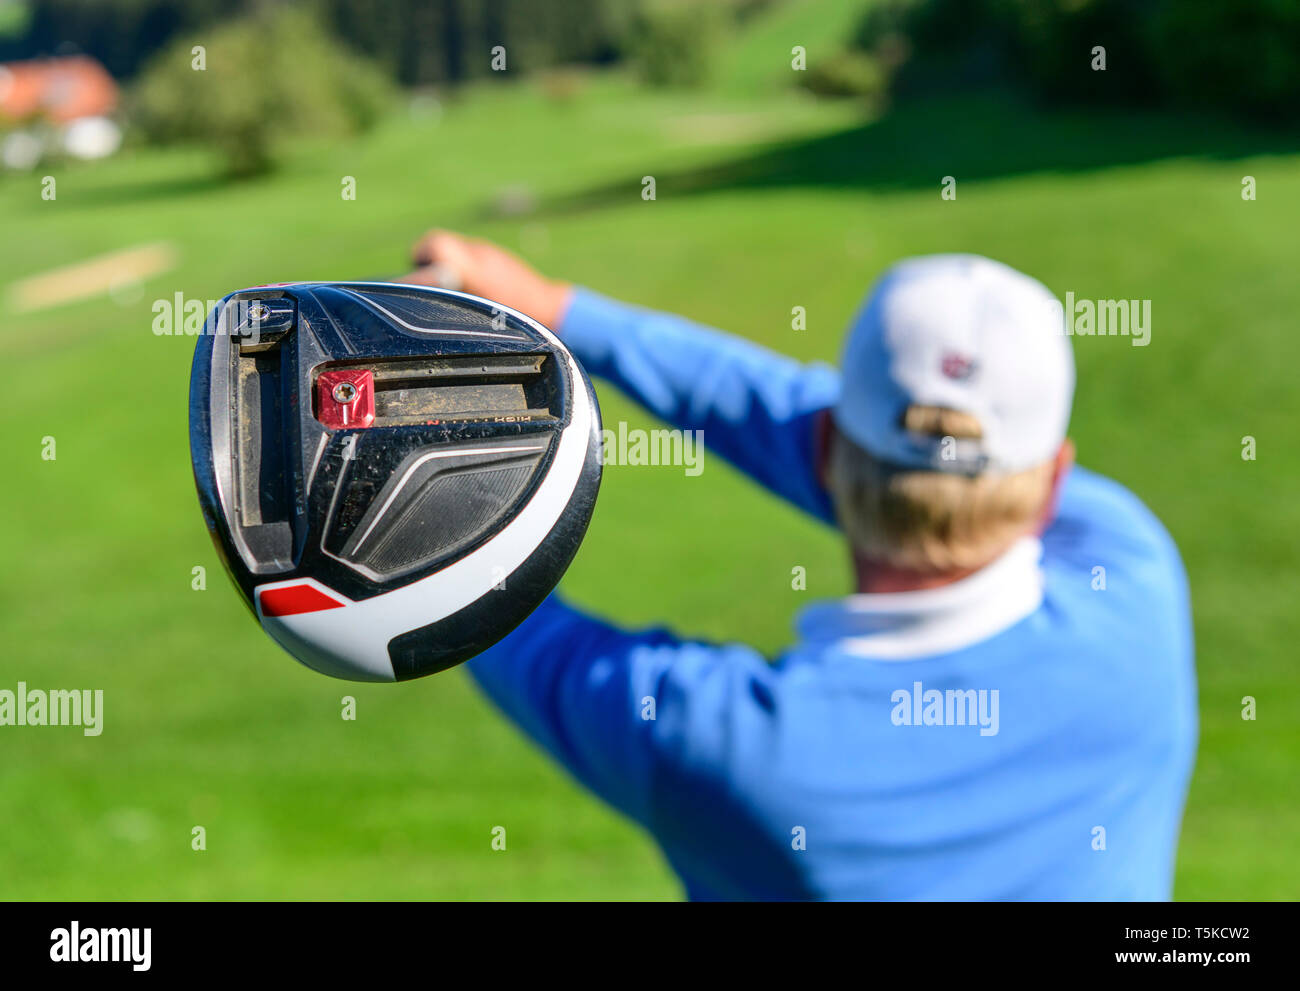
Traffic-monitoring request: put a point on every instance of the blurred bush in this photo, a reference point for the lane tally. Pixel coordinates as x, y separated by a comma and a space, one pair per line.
1242, 53
120, 33
847, 73
424, 42
677, 42
562, 85
418, 42
273, 74
1239, 56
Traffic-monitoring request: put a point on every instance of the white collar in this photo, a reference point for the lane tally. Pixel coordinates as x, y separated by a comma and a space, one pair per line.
899, 626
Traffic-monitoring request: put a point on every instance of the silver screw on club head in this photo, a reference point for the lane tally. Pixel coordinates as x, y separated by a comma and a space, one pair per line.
258, 312
345, 392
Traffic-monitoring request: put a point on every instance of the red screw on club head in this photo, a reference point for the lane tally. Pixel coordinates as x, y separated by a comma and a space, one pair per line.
345, 398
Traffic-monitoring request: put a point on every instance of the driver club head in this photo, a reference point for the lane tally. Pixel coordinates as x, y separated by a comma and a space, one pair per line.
394, 476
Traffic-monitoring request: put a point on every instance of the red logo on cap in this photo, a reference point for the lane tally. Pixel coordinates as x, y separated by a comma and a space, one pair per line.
957, 366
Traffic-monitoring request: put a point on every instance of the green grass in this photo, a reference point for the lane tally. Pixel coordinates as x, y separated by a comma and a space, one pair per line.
208, 723
760, 58
14, 17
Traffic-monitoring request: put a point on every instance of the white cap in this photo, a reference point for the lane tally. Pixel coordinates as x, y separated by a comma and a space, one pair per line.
964, 333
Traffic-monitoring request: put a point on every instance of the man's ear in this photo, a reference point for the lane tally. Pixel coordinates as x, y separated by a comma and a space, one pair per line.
823, 434
1063, 463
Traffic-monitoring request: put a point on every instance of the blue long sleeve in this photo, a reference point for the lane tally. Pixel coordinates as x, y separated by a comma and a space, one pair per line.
757, 409
613, 705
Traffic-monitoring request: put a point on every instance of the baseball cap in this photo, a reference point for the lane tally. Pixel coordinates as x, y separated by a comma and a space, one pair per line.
965, 333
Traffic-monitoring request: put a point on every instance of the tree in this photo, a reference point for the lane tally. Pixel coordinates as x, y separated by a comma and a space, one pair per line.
274, 73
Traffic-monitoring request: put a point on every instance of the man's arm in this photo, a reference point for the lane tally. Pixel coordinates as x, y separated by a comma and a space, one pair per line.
758, 409
612, 705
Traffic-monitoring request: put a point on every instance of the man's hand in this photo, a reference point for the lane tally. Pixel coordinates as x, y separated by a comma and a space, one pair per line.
471, 265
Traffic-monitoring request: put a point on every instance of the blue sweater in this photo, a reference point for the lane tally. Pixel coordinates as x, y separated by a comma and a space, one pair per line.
1027, 733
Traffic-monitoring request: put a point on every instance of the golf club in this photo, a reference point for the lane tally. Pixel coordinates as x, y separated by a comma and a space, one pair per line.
395, 476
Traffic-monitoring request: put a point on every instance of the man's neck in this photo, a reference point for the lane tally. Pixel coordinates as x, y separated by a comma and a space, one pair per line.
878, 577
901, 614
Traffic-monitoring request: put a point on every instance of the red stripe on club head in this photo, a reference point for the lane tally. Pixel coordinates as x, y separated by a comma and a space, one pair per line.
294, 599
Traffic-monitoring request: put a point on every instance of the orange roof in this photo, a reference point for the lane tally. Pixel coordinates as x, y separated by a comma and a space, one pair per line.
59, 89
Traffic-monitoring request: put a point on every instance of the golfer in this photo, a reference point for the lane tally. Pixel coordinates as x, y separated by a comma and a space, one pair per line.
1006, 708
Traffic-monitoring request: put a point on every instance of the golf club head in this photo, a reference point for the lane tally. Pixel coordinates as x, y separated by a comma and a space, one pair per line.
395, 476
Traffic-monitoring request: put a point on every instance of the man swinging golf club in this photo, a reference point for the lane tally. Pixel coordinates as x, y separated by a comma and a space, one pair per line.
1004, 710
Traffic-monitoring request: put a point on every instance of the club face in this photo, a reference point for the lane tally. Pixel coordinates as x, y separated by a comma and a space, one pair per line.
395, 476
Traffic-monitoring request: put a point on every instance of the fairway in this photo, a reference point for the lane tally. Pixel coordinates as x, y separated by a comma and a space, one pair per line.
207, 723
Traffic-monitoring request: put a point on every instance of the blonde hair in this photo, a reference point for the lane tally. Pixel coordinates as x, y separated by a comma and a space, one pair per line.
931, 521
